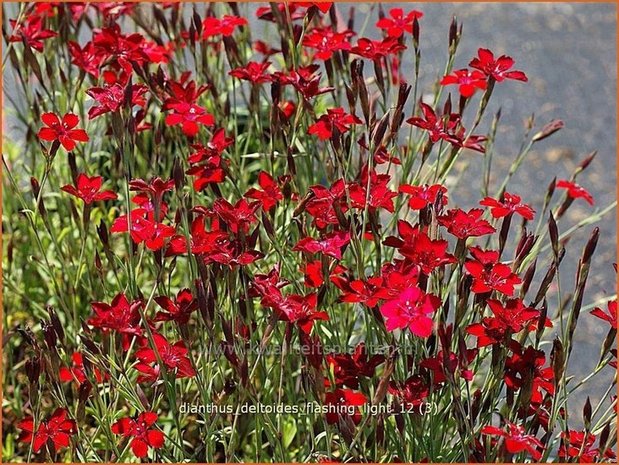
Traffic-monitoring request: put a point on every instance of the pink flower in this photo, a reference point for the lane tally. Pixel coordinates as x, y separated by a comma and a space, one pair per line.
411, 309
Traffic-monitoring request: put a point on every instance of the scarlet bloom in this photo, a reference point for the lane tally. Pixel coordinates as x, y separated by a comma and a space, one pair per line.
422, 196
224, 26
31, 32
111, 98
62, 131
376, 49
343, 403
368, 292
497, 69
295, 309
142, 430
580, 444
207, 161
121, 315
411, 309
270, 194
324, 201
376, 195
55, 431
575, 191
510, 204
348, 368
77, 371
399, 23
239, 216
89, 189
411, 393
327, 41
439, 127
516, 439
336, 118
466, 80
463, 224
189, 116
332, 244
611, 316
179, 309
488, 275
173, 356
254, 72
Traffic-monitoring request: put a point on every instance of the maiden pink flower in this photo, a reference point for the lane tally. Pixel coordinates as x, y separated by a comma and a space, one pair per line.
411, 308
89, 189
62, 131
143, 432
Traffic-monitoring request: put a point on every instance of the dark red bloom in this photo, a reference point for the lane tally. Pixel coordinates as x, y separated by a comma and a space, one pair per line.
575, 191
207, 161
466, 224
55, 431
422, 196
344, 403
611, 316
376, 49
111, 98
120, 316
516, 439
173, 356
224, 26
295, 309
510, 204
306, 80
253, 72
62, 131
32, 32
331, 244
466, 80
77, 371
179, 309
143, 432
142, 229
412, 308
439, 127
410, 393
579, 444
238, 217
399, 23
189, 116
270, 194
368, 292
348, 368
488, 275
324, 201
326, 41
528, 364
336, 118
373, 192
497, 69
89, 189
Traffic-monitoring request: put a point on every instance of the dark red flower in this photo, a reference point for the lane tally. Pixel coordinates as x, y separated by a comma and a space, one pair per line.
77, 371
497, 69
439, 127
238, 217
336, 118
324, 201
373, 192
410, 393
516, 439
376, 49
179, 309
422, 196
142, 431
189, 116
348, 368
253, 72
111, 98
466, 80
55, 431
224, 26
327, 41
368, 292
611, 316
120, 316
331, 244
488, 275
32, 32
270, 194
144, 230
510, 204
412, 308
463, 224
344, 403
173, 356
312, 272
399, 23
575, 191
62, 131
306, 80
294, 309
579, 444
89, 189
207, 161
528, 364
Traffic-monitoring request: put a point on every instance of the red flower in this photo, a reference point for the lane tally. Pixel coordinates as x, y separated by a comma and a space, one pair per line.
327, 41
348, 368
143, 432
422, 196
31, 32
509, 318
466, 224
488, 275
143, 229
225, 26
179, 309
510, 204
77, 371
467, 81
295, 309
324, 201
579, 444
368, 292
336, 118
64, 131
89, 189
411, 393
374, 194
305, 80
411, 309
120, 316
270, 195
344, 403
375, 49
497, 69
516, 439
111, 98
239, 216
56, 431
331, 244
575, 191
439, 127
526, 364
173, 356
253, 72
399, 23
208, 163
188, 115
611, 316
